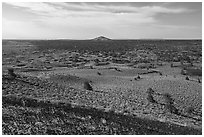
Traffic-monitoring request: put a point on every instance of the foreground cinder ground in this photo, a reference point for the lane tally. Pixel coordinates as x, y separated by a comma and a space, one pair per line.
56, 103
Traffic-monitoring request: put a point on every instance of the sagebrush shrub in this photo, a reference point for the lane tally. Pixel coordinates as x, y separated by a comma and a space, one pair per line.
182, 72
199, 80
171, 108
168, 98
87, 86
11, 72
160, 73
150, 97
169, 104
98, 73
190, 110
150, 91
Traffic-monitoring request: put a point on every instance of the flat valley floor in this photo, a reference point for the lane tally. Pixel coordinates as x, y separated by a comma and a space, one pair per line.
50, 97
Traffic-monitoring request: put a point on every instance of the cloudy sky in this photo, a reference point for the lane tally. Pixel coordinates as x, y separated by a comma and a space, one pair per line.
89, 20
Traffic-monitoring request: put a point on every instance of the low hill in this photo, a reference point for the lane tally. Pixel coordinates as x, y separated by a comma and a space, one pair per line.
101, 38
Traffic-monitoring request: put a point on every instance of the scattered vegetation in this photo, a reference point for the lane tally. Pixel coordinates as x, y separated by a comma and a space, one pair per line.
190, 110
169, 104
99, 73
11, 72
117, 69
150, 97
187, 78
199, 80
183, 72
160, 73
87, 86
168, 98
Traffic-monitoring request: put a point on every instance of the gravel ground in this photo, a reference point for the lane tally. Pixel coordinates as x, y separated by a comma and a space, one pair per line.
120, 94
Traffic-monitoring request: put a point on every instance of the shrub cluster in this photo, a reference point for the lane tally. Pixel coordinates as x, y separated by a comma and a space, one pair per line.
87, 86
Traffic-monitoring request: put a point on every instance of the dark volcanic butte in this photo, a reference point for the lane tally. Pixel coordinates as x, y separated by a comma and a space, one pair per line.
101, 38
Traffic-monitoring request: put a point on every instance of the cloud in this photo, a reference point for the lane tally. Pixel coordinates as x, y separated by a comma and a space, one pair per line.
63, 9
68, 13
44, 9
34, 6
91, 19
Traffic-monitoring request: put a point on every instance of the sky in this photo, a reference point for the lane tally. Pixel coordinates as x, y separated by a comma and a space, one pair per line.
116, 20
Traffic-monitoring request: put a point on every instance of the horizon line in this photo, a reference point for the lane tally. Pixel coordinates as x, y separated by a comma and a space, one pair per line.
106, 37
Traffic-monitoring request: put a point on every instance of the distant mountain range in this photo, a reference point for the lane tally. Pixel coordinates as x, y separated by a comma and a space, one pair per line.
101, 38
